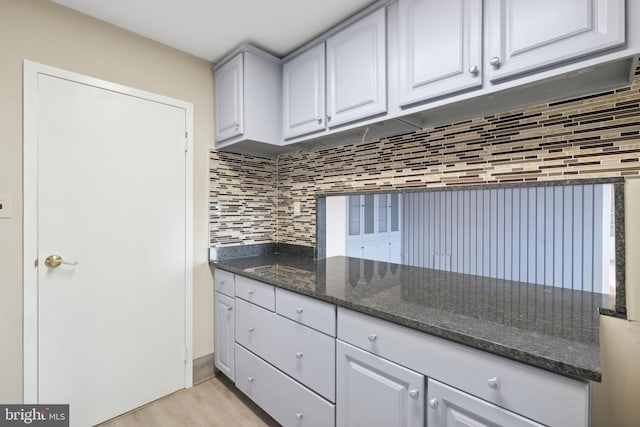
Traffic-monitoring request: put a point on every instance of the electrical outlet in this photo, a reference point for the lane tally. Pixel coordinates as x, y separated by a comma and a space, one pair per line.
5, 207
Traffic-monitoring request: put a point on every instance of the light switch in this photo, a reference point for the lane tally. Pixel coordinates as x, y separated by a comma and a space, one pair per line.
5, 207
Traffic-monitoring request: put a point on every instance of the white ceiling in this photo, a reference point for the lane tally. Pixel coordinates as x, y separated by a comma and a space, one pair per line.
210, 29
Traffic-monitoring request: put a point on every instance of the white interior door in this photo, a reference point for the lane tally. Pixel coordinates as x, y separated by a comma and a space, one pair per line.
111, 196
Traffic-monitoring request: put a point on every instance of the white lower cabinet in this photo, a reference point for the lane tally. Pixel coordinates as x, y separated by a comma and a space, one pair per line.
302, 353
449, 407
374, 392
377, 372
224, 334
286, 400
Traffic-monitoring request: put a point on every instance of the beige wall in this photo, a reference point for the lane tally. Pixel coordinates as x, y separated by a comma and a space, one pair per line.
50, 34
616, 400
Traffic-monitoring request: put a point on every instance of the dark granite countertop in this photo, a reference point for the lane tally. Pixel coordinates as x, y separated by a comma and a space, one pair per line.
550, 328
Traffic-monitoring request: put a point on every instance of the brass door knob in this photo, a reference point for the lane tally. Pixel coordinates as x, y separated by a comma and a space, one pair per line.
54, 261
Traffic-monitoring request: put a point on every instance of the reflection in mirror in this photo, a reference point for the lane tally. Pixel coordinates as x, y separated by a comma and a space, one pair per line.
556, 235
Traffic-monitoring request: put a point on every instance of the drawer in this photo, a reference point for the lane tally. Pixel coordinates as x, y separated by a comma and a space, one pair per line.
224, 282
256, 329
449, 406
288, 402
256, 292
534, 393
302, 353
307, 355
311, 312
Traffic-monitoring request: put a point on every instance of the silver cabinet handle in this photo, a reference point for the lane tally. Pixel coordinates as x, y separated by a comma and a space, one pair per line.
250, 379
299, 310
414, 393
299, 415
494, 62
372, 336
251, 329
328, 118
433, 403
299, 355
319, 119
251, 291
229, 308
222, 282
474, 69
494, 383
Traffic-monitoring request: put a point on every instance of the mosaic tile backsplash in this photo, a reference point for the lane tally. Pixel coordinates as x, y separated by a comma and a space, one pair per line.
252, 199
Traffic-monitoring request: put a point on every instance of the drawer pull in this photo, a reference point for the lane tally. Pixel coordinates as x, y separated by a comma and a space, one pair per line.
299, 310
299, 355
494, 383
250, 379
222, 282
251, 329
414, 393
373, 337
250, 291
299, 415
229, 308
433, 403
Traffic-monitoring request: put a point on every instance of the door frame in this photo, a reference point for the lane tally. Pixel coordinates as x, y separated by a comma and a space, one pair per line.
31, 70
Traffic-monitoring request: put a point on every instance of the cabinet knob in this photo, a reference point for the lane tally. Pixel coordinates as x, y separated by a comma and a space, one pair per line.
299, 310
372, 337
250, 291
474, 70
250, 379
414, 393
494, 383
299, 415
251, 329
494, 62
222, 282
433, 403
319, 119
229, 308
328, 118
299, 355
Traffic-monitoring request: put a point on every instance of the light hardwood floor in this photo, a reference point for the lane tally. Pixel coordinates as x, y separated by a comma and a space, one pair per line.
213, 403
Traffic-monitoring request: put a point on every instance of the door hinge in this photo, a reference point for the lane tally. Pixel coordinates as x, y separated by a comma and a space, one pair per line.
186, 142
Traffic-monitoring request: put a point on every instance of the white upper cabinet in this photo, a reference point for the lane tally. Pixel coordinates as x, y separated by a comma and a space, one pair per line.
440, 48
303, 93
356, 70
248, 98
229, 97
526, 35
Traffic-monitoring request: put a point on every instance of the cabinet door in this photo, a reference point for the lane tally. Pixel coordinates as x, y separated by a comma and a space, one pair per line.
450, 407
440, 48
303, 86
229, 99
526, 35
372, 391
224, 334
356, 70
